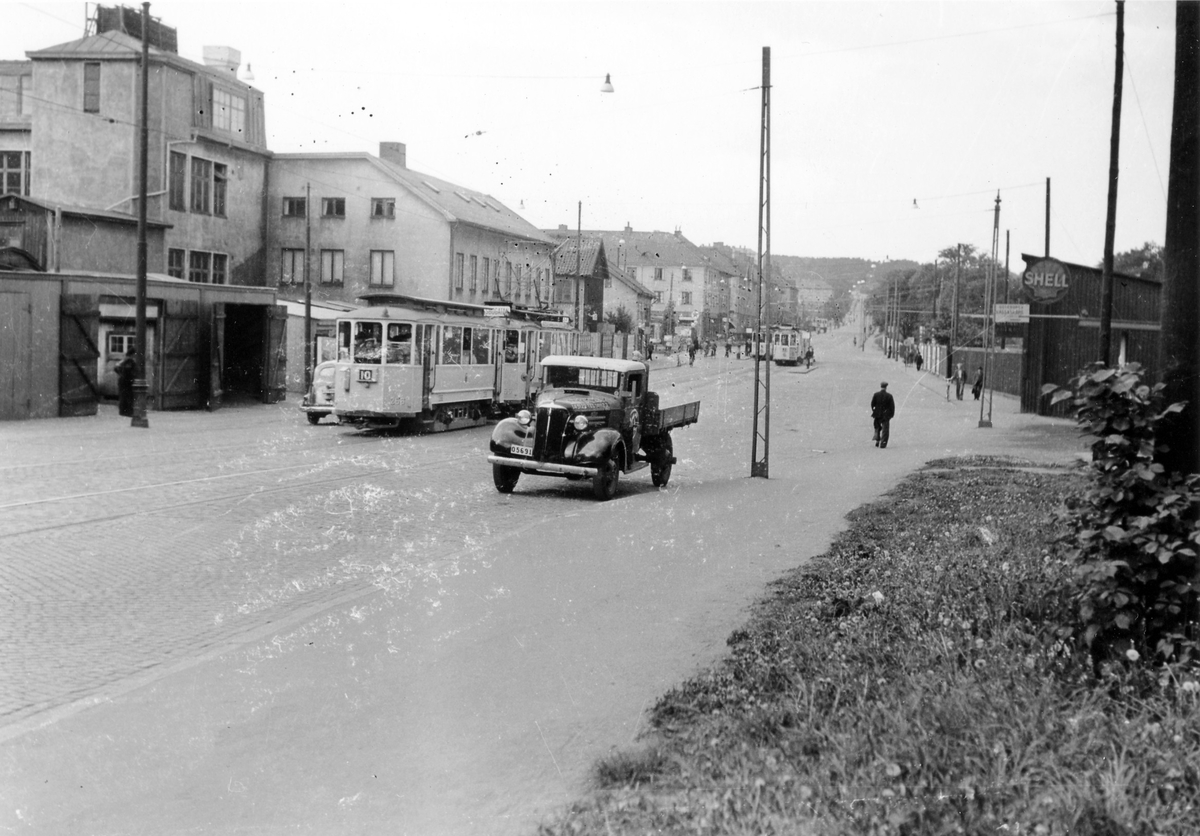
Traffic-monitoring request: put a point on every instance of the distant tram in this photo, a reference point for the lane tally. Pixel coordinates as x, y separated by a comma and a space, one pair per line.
787, 346
437, 365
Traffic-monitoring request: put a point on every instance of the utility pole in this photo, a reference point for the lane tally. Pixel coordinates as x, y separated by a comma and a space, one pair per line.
954, 312
759, 464
989, 323
140, 386
308, 358
579, 268
1047, 217
1110, 223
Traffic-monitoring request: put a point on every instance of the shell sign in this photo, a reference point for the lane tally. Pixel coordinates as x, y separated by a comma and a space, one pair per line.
1045, 280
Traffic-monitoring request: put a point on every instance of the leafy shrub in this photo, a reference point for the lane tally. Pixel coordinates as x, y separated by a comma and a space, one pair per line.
1135, 533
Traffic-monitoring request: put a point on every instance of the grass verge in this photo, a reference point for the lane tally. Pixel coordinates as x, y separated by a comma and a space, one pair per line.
912, 681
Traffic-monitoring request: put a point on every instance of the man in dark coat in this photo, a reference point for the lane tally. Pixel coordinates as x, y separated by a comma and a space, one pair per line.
126, 370
883, 407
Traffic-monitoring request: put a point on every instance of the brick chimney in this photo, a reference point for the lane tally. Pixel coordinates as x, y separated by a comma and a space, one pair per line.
628, 228
394, 153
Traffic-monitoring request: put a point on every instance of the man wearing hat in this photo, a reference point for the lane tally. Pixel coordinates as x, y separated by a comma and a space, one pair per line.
883, 407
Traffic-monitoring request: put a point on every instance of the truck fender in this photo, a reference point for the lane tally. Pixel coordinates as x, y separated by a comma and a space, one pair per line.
601, 446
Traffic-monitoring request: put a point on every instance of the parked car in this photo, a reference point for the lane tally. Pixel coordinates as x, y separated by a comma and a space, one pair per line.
318, 402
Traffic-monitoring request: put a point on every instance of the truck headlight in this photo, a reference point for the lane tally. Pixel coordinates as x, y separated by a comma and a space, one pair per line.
523, 417
580, 422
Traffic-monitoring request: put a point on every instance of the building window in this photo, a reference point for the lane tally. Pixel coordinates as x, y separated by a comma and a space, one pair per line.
201, 186
91, 87
333, 207
383, 207
175, 262
458, 271
687, 274
383, 268
658, 274
220, 268
474, 273
229, 112
685, 298
177, 182
291, 269
508, 278
199, 267
332, 265
294, 207
14, 172
487, 277
658, 297
220, 182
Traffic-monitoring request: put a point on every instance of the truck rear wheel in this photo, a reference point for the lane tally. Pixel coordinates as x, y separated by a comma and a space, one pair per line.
604, 483
660, 465
505, 477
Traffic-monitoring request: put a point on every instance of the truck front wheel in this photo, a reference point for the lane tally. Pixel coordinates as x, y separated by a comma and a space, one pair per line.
505, 477
660, 464
604, 483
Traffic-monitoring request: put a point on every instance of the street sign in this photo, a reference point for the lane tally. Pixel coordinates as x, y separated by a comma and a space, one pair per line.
1012, 313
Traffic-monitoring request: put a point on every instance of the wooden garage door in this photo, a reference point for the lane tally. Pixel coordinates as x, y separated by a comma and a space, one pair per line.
180, 355
78, 334
16, 355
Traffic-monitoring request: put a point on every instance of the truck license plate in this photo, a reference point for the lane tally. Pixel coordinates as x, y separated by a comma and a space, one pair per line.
518, 450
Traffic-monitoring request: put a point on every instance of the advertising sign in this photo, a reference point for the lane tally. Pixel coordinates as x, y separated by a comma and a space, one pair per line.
1011, 313
1045, 280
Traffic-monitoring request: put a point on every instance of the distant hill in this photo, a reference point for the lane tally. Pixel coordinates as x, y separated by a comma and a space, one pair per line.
839, 273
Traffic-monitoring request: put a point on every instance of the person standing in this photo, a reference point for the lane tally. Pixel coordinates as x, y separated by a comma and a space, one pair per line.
919, 360
960, 380
126, 370
977, 386
883, 407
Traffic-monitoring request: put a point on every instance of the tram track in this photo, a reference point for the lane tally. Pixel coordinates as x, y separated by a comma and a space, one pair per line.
230, 496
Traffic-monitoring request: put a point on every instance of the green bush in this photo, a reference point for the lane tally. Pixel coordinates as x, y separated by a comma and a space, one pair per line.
1135, 533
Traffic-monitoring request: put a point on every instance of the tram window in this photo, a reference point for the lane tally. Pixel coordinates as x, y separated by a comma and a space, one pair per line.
368, 339
452, 345
343, 341
513, 347
399, 344
481, 346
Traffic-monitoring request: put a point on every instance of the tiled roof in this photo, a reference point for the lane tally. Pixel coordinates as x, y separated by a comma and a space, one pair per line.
106, 44
464, 205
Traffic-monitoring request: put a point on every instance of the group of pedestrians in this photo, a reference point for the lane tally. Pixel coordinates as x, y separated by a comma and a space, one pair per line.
959, 379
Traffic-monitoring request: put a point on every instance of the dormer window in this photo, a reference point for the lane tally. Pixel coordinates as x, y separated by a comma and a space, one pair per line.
229, 112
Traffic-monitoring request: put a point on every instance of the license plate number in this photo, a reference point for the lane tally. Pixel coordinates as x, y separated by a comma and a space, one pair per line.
518, 450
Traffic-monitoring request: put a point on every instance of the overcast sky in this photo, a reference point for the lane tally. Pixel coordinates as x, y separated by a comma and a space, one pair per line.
873, 106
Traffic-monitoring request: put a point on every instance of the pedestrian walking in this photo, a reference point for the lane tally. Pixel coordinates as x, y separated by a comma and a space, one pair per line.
977, 386
920, 361
728, 347
691, 354
126, 370
883, 407
960, 380
808, 357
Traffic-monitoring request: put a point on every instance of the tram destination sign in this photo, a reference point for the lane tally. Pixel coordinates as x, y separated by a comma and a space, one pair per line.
1011, 313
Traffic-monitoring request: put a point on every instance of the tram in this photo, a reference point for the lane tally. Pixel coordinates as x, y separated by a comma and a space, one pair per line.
787, 346
436, 365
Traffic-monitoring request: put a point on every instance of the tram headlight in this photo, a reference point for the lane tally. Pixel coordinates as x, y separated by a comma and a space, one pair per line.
580, 422
523, 417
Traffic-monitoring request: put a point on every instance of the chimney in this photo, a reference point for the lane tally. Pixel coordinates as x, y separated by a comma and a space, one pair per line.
394, 153
628, 228
562, 227
223, 58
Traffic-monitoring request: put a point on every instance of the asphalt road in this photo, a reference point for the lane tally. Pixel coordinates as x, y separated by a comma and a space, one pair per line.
237, 623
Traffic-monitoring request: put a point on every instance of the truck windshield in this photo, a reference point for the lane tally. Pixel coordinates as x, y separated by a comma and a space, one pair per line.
560, 377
